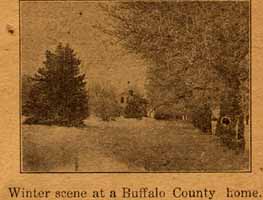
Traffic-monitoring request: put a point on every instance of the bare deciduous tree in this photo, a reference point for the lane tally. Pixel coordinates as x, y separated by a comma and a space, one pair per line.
190, 46
103, 101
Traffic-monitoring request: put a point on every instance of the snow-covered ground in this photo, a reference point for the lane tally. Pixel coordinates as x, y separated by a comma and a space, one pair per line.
126, 145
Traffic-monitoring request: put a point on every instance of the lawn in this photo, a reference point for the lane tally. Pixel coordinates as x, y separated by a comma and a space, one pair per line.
126, 145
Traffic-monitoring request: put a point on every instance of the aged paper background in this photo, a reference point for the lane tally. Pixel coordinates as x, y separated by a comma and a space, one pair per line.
9, 122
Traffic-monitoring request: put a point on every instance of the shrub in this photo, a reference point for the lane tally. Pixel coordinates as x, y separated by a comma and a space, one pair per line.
163, 116
135, 108
201, 118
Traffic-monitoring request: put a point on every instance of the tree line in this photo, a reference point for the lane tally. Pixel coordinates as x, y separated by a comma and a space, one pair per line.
199, 54
57, 94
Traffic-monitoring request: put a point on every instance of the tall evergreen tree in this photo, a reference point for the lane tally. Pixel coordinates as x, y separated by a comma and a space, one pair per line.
58, 94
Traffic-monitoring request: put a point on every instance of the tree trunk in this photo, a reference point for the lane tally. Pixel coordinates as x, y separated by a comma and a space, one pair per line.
230, 126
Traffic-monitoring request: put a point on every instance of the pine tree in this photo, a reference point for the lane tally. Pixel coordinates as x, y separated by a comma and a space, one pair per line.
58, 94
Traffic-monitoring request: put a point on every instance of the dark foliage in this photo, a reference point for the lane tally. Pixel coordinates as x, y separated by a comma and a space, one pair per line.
167, 112
163, 116
135, 108
58, 94
202, 118
27, 84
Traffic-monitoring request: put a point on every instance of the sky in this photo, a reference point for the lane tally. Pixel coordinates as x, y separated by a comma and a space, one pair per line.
45, 24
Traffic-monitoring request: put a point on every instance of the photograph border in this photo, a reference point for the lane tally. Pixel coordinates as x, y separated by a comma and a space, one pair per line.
127, 172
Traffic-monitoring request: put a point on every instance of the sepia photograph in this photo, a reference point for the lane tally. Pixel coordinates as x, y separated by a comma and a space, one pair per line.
160, 86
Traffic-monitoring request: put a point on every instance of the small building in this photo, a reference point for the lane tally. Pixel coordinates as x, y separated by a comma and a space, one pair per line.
171, 111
